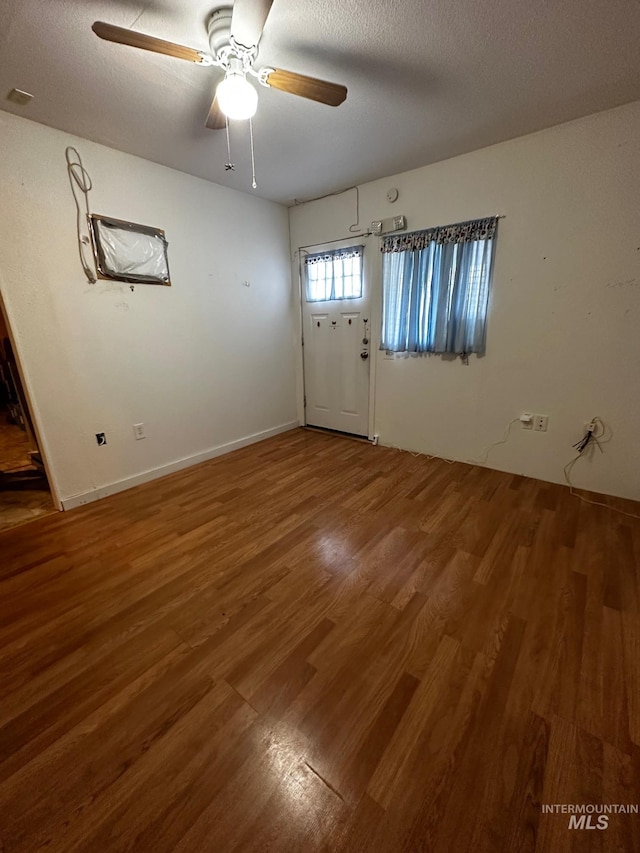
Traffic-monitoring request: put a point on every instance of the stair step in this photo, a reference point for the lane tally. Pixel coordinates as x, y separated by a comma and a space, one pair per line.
36, 459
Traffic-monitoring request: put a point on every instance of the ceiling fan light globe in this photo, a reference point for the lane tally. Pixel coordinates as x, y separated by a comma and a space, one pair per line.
237, 98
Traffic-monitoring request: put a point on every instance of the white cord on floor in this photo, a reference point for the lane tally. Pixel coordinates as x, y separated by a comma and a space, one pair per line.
424, 455
567, 471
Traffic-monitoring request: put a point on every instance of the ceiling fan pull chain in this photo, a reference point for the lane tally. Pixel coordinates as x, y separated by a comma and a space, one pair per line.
229, 166
253, 160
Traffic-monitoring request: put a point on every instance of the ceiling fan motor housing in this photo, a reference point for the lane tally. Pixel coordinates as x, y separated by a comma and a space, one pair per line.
219, 32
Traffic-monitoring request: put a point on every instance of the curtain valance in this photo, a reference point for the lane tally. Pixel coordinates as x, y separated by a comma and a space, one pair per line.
459, 232
334, 255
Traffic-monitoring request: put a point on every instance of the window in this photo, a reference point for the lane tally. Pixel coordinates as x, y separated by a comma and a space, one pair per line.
125, 251
336, 274
435, 288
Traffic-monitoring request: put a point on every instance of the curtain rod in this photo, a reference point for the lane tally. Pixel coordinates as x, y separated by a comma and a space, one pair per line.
465, 221
337, 240
369, 234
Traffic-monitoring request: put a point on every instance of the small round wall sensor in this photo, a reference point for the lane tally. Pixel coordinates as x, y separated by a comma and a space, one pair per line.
392, 194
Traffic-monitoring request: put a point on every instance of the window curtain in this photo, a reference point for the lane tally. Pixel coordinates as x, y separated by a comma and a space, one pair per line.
436, 288
336, 274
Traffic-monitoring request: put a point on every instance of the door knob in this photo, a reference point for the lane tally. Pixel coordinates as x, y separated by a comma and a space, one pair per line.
364, 355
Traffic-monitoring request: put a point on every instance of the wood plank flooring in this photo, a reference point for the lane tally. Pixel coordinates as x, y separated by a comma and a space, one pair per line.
19, 506
313, 644
14, 446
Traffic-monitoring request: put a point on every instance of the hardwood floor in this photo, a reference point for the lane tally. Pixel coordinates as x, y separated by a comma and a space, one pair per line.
23, 505
19, 505
313, 644
14, 446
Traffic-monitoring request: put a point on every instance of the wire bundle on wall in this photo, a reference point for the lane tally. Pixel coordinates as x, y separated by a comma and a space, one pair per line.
593, 436
589, 437
80, 178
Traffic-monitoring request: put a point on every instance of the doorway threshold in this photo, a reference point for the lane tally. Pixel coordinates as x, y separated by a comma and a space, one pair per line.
338, 433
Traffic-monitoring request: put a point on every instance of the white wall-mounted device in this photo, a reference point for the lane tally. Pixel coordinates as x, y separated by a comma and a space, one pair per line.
385, 226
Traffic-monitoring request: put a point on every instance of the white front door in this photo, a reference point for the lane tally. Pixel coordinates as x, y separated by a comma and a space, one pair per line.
336, 348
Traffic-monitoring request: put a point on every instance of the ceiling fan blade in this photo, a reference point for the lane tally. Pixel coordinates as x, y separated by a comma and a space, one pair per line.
332, 94
248, 20
120, 35
216, 119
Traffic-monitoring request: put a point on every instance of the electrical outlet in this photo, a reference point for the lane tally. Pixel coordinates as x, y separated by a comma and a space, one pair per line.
526, 420
540, 422
139, 431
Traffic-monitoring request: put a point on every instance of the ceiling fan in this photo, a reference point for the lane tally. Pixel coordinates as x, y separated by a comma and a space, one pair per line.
234, 34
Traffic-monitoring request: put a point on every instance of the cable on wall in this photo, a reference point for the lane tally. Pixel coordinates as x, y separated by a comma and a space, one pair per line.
594, 436
80, 178
356, 224
352, 228
482, 459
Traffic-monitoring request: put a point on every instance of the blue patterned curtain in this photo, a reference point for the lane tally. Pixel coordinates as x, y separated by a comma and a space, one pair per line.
436, 288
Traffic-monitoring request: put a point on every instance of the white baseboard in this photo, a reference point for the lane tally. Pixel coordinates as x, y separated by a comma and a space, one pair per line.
155, 473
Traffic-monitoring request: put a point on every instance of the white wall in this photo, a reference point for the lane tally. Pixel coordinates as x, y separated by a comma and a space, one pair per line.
203, 363
564, 325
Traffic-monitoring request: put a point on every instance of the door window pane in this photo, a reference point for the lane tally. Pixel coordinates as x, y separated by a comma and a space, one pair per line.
334, 275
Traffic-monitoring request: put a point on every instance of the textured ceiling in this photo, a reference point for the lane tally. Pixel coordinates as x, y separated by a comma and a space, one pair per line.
427, 79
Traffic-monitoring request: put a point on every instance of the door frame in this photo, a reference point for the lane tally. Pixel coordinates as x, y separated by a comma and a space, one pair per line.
372, 278
29, 399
